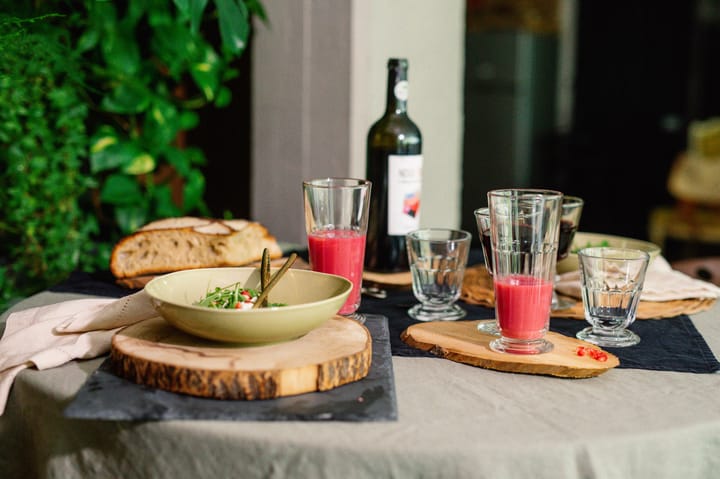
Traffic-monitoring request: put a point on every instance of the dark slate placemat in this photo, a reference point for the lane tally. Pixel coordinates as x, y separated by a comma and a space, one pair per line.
671, 344
106, 396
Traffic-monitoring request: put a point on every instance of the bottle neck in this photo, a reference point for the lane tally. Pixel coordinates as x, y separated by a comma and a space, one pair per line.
397, 90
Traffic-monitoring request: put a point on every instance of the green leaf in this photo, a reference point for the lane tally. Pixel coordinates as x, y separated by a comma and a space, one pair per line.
121, 50
114, 155
256, 8
180, 160
120, 189
130, 218
188, 120
140, 165
193, 9
88, 40
162, 124
234, 24
165, 205
206, 72
160, 14
193, 190
224, 97
174, 45
197, 157
127, 98
102, 142
135, 11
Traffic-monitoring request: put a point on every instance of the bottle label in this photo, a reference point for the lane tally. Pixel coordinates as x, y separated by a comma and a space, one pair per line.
401, 90
404, 184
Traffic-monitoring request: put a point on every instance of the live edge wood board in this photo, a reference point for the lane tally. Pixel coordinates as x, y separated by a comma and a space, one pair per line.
155, 354
461, 341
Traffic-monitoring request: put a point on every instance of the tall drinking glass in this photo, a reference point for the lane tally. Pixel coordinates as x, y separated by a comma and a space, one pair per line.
571, 210
482, 218
336, 219
524, 228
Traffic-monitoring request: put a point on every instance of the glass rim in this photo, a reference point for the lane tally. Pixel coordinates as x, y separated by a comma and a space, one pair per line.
331, 182
484, 211
517, 192
462, 235
614, 253
572, 200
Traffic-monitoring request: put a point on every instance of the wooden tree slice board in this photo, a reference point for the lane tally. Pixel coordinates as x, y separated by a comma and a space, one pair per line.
156, 354
461, 341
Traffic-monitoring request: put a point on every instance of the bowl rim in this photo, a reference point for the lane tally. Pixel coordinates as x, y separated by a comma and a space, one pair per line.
250, 312
653, 248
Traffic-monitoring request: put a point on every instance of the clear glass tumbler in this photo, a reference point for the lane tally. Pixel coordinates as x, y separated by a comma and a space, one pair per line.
612, 280
524, 228
336, 219
437, 260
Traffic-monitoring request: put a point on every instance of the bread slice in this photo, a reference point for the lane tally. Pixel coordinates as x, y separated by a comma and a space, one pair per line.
174, 244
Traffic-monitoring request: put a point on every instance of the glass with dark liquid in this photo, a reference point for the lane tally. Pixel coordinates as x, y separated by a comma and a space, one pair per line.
571, 210
567, 233
482, 218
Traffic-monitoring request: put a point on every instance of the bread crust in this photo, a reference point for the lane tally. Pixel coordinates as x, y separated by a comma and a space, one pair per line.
174, 244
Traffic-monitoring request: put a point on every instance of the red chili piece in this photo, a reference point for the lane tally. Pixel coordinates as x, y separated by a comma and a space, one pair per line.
596, 354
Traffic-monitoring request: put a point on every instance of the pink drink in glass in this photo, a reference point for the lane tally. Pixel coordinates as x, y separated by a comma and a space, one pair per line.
523, 306
339, 252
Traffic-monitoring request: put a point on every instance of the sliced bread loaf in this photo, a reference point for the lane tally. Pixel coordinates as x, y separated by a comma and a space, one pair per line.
173, 244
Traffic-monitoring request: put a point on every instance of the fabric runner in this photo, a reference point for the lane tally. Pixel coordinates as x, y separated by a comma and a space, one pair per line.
672, 344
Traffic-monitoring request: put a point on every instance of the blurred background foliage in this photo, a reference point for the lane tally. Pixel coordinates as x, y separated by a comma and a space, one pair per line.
98, 98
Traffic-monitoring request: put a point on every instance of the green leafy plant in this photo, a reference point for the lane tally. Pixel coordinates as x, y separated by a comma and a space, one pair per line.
97, 97
152, 64
43, 143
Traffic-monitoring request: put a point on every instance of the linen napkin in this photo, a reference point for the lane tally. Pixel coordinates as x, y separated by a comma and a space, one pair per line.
662, 283
49, 336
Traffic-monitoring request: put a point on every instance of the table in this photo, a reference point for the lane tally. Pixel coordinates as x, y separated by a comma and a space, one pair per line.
454, 421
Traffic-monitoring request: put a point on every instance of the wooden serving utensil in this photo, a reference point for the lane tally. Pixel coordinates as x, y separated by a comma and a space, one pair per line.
264, 274
273, 281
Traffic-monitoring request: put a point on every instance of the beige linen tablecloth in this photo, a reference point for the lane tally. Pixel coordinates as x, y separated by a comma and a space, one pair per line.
454, 421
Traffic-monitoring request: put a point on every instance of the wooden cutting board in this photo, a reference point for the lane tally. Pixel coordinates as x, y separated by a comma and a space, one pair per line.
461, 341
156, 354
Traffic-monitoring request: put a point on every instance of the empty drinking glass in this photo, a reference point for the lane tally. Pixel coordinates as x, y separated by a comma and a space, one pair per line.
437, 260
612, 280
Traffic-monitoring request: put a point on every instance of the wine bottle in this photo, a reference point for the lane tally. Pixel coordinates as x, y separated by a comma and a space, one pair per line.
394, 165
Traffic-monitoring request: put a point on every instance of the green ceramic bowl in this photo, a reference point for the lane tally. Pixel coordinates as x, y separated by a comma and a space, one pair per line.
312, 298
586, 240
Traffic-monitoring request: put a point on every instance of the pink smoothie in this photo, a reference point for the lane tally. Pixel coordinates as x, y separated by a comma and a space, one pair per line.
522, 305
340, 252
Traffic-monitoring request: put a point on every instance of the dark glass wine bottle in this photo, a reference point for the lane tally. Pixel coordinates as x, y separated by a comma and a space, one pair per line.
394, 165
